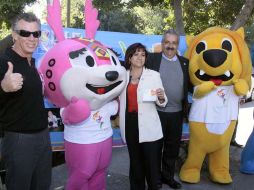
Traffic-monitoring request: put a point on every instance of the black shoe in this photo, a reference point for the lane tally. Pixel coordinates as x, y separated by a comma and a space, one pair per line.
172, 183
234, 143
159, 185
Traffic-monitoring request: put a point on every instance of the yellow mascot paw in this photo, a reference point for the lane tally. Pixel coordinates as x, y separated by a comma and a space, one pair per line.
221, 177
241, 87
204, 88
190, 175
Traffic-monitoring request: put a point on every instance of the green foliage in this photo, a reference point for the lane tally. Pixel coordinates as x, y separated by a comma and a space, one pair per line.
249, 32
151, 20
10, 8
132, 16
119, 16
202, 14
77, 10
4, 31
118, 20
109, 5
141, 3
140, 16
115, 16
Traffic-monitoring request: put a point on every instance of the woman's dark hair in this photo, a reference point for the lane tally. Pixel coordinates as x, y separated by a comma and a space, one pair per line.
130, 52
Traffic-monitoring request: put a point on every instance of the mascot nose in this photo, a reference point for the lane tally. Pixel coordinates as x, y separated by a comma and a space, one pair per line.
111, 75
214, 57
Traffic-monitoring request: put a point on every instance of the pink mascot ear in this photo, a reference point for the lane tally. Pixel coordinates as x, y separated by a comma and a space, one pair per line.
91, 22
54, 19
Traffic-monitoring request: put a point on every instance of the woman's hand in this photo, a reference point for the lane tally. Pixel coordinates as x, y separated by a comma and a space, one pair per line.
160, 95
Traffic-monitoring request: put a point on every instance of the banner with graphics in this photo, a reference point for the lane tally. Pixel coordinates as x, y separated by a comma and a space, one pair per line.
117, 41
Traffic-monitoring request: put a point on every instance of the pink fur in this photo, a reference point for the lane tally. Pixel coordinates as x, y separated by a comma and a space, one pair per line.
91, 22
76, 71
54, 19
75, 112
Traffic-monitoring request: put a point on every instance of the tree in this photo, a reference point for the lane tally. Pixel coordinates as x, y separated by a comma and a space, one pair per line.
76, 17
199, 15
118, 16
112, 18
151, 20
149, 16
10, 8
118, 20
244, 14
109, 5
176, 4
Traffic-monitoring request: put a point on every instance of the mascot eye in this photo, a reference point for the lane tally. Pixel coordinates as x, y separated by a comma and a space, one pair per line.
114, 60
81, 58
201, 46
113, 57
90, 61
226, 44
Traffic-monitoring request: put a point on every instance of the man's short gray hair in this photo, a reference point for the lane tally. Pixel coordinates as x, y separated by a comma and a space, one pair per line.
28, 17
172, 32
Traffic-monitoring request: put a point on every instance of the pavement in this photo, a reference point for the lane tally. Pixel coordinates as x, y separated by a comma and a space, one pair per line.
245, 122
117, 176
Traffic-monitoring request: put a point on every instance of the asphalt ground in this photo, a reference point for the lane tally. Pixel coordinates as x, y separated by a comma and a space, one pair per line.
117, 177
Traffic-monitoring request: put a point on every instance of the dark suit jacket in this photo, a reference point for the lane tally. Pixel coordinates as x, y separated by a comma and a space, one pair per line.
154, 61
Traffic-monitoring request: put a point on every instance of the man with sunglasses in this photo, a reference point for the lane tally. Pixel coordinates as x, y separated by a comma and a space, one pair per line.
26, 149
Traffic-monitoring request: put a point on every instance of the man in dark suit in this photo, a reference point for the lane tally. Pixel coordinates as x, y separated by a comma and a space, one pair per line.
174, 74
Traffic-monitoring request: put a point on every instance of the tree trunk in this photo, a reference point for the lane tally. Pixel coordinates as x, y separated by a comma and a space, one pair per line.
68, 15
244, 14
5, 43
178, 16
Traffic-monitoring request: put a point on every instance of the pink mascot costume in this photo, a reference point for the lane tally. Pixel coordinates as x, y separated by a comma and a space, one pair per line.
83, 77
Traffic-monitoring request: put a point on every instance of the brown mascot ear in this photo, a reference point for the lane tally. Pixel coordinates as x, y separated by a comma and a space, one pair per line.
189, 40
244, 55
240, 31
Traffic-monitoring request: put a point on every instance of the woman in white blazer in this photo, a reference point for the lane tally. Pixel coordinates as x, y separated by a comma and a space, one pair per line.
139, 121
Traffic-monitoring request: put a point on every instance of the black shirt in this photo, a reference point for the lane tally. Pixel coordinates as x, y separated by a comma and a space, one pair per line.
22, 111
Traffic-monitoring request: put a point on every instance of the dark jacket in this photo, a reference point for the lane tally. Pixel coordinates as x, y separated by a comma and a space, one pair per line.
154, 61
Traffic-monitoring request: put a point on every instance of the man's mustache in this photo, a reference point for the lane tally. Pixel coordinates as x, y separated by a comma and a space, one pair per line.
170, 48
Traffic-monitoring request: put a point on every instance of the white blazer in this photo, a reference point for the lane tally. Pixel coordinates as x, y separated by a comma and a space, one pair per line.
149, 124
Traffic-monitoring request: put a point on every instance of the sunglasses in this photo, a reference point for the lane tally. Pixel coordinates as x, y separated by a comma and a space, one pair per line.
25, 33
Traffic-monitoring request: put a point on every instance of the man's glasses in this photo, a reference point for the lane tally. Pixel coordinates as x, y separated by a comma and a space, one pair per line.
25, 33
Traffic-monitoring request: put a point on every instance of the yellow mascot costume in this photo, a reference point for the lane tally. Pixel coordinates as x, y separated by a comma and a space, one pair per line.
220, 70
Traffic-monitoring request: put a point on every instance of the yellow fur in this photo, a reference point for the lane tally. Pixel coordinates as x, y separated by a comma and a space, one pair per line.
216, 146
238, 63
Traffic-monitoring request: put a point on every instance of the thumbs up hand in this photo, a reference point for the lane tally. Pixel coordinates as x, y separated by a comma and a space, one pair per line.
11, 82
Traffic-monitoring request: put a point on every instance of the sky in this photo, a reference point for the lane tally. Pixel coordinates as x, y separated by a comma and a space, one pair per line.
38, 8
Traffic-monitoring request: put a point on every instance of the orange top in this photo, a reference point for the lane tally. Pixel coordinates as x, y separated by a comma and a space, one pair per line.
132, 97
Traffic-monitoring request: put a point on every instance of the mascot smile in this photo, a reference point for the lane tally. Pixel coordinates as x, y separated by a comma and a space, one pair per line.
220, 70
